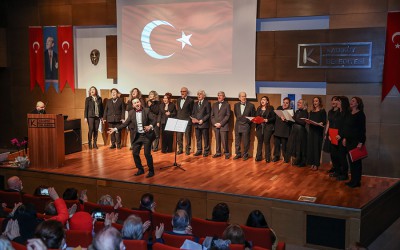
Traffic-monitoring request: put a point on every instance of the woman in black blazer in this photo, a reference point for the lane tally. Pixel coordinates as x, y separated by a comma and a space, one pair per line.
167, 109
93, 114
265, 130
153, 104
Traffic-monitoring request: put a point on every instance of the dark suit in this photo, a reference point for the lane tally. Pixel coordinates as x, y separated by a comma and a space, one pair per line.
139, 139
264, 132
93, 119
243, 126
221, 115
51, 73
35, 111
282, 132
167, 136
202, 112
184, 114
113, 114
154, 109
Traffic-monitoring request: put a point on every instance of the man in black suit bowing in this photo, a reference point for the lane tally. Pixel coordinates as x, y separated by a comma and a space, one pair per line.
184, 110
201, 120
140, 122
220, 114
243, 125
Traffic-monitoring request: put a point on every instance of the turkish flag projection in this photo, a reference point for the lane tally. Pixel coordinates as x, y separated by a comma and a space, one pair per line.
36, 57
391, 70
66, 57
179, 38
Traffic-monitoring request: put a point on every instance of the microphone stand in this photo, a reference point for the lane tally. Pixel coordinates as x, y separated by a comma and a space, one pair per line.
175, 164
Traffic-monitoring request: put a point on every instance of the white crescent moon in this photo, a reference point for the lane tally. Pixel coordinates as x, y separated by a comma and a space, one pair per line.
394, 35
145, 38
36, 43
65, 42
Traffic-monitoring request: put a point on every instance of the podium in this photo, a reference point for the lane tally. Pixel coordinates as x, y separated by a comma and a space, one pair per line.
46, 140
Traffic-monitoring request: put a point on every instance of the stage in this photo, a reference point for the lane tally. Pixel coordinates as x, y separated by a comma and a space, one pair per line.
358, 214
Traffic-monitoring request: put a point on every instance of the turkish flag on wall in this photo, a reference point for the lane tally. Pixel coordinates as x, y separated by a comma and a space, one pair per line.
391, 70
66, 57
36, 56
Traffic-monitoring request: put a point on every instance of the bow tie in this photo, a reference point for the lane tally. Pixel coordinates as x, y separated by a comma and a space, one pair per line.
138, 110
244, 104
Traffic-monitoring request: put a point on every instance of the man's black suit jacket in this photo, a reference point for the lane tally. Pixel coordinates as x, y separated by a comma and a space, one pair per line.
147, 120
185, 112
50, 73
202, 113
243, 124
221, 115
114, 112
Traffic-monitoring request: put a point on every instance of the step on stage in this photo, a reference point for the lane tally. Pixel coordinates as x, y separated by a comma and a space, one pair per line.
331, 214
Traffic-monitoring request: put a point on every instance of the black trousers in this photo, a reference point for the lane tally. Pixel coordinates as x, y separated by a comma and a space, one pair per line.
167, 140
157, 140
188, 138
245, 136
203, 134
142, 140
278, 141
264, 139
93, 123
115, 137
221, 137
356, 171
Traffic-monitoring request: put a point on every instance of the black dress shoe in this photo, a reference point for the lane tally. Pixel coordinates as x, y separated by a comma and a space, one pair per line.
113, 146
187, 153
268, 160
245, 157
205, 154
179, 152
333, 175
95, 146
150, 174
353, 185
237, 157
332, 170
258, 159
227, 156
197, 153
216, 155
275, 159
342, 177
139, 172
119, 146
301, 165
130, 148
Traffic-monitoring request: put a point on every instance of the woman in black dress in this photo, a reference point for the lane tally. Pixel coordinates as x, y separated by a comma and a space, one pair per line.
297, 143
354, 136
93, 114
316, 134
265, 130
153, 104
332, 149
167, 110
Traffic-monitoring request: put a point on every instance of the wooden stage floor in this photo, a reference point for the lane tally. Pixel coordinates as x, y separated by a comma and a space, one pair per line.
244, 178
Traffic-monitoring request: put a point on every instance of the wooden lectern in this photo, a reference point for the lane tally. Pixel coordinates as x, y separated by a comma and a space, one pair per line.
46, 140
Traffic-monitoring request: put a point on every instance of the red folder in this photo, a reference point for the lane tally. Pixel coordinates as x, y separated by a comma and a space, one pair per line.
358, 153
333, 132
258, 120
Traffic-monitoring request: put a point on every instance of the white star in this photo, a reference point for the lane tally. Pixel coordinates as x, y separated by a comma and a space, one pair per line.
184, 39
397, 46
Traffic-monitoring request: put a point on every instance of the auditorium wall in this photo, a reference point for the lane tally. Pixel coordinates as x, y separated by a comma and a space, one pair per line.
356, 20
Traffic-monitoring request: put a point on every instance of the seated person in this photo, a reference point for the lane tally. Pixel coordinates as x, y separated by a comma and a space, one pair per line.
81, 221
40, 108
108, 238
107, 200
256, 219
70, 194
180, 226
235, 234
51, 233
186, 205
133, 228
147, 203
220, 212
14, 184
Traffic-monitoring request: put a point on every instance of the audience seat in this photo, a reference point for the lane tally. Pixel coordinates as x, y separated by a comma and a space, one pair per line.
18, 246
90, 207
162, 218
75, 238
236, 247
203, 228
123, 213
43, 216
70, 203
175, 240
135, 244
259, 248
1, 225
159, 246
261, 237
98, 225
39, 201
10, 198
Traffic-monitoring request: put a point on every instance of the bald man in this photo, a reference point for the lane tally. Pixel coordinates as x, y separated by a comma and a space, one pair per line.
40, 108
14, 184
108, 238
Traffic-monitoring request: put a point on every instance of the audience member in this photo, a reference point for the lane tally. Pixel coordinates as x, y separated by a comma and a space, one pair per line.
107, 200
186, 205
147, 202
81, 221
108, 238
235, 234
52, 234
220, 212
14, 184
256, 219
180, 226
133, 228
70, 194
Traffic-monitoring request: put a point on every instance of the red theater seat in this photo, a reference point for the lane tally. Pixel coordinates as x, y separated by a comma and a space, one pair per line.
10, 198
124, 213
39, 201
75, 238
175, 240
203, 228
135, 244
90, 206
162, 218
159, 246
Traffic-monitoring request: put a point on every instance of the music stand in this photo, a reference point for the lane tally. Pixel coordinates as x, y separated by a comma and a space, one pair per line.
175, 125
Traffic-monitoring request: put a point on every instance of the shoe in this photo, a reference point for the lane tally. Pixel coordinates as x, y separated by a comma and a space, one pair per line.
119, 146
227, 156
237, 157
353, 185
163, 151
245, 157
197, 153
268, 160
155, 149
216, 155
139, 172
275, 159
130, 148
179, 152
258, 159
90, 145
301, 165
286, 161
205, 154
187, 153
112, 146
342, 177
150, 174
332, 170
95, 145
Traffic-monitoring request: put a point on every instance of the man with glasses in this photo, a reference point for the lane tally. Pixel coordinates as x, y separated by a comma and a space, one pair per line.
184, 110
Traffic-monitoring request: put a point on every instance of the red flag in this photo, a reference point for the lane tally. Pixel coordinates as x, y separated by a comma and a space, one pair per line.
391, 70
66, 57
36, 56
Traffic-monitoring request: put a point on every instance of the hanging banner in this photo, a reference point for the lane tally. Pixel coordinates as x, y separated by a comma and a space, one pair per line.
391, 68
66, 57
36, 57
50, 57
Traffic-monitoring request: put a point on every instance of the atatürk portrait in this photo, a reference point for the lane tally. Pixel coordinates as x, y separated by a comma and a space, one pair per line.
95, 56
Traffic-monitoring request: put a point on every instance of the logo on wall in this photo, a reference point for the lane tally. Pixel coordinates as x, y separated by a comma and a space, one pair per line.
334, 55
